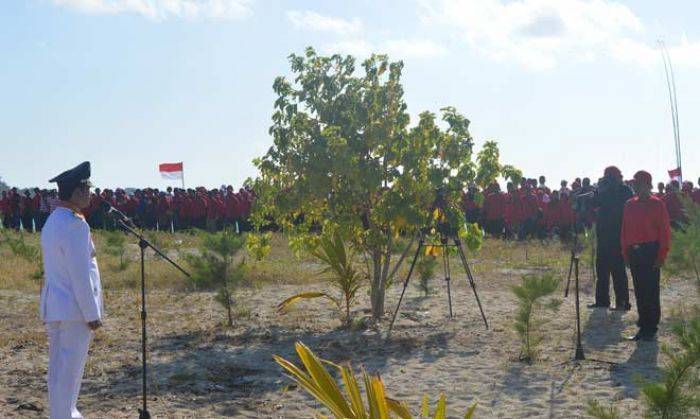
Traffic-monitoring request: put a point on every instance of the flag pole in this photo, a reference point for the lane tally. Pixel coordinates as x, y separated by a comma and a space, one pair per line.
183, 175
671, 84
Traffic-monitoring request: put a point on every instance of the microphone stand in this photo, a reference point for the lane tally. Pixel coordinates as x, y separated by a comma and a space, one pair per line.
123, 221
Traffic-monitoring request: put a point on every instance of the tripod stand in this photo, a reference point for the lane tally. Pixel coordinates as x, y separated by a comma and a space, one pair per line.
123, 222
574, 257
444, 243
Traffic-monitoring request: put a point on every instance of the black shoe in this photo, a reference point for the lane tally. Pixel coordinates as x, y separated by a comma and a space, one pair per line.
596, 305
634, 338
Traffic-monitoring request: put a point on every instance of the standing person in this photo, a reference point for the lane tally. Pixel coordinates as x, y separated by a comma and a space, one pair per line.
661, 188
27, 212
15, 209
470, 205
71, 298
493, 211
674, 206
5, 209
645, 241
610, 200
43, 208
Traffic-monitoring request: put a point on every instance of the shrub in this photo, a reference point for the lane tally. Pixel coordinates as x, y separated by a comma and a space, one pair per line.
258, 245
426, 268
115, 245
215, 267
530, 294
340, 272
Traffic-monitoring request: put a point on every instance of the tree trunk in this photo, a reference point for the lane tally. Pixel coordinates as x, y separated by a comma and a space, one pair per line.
377, 289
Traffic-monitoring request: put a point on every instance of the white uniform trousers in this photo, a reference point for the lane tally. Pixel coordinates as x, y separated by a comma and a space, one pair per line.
68, 349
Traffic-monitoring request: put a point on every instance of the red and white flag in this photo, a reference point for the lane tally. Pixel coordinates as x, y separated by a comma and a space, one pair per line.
675, 174
171, 171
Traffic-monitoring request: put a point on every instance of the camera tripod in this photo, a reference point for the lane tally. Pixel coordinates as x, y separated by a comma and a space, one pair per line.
444, 243
574, 256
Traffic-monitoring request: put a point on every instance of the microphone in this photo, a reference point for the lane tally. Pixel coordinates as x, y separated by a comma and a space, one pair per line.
110, 209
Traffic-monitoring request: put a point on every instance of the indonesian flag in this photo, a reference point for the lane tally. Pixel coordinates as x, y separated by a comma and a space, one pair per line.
675, 174
171, 170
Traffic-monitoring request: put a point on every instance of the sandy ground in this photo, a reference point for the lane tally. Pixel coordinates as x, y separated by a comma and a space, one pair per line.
200, 369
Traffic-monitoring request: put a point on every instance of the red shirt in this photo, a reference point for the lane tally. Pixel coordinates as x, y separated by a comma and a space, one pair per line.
513, 209
558, 214
529, 205
494, 206
645, 221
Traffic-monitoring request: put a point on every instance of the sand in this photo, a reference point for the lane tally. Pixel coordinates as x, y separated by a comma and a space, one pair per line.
201, 369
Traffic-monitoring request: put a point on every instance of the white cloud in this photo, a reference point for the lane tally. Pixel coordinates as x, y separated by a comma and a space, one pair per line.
542, 33
163, 9
413, 48
360, 48
397, 49
317, 22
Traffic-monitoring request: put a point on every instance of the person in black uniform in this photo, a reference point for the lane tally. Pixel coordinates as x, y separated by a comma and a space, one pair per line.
609, 200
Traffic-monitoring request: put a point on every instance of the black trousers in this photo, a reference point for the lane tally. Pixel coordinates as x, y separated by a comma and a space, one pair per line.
609, 262
494, 227
645, 278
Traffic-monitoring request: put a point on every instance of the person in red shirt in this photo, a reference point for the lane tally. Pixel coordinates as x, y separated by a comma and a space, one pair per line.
512, 211
645, 240
558, 216
674, 205
493, 211
529, 212
470, 206
661, 190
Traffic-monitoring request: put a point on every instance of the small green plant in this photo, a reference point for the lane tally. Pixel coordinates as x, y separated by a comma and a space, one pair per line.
530, 293
340, 272
316, 380
115, 245
258, 245
215, 267
596, 410
426, 268
677, 395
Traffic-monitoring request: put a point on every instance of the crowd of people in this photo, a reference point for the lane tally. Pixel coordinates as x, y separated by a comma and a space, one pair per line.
532, 209
149, 208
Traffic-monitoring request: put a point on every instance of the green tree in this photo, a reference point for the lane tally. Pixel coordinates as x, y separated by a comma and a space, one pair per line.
3, 186
215, 267
344, 154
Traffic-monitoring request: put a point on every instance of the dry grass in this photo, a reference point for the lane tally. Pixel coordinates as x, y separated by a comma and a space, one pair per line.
200, 368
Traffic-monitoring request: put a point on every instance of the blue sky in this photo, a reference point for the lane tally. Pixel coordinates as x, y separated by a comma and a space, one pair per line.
566, 86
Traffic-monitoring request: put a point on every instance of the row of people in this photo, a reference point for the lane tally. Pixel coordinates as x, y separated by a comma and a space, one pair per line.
533, 210
169, 210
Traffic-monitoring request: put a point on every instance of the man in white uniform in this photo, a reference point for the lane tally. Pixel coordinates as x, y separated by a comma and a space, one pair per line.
71, 299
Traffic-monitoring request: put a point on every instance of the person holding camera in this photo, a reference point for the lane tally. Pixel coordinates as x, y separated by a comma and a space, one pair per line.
609, 199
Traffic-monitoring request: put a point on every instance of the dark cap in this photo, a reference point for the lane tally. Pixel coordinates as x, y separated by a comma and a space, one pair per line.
71, 179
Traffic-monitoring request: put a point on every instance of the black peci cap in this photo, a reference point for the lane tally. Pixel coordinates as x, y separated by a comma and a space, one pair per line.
71, 179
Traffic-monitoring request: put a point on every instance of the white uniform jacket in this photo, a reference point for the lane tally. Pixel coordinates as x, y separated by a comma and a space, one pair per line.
72, 289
